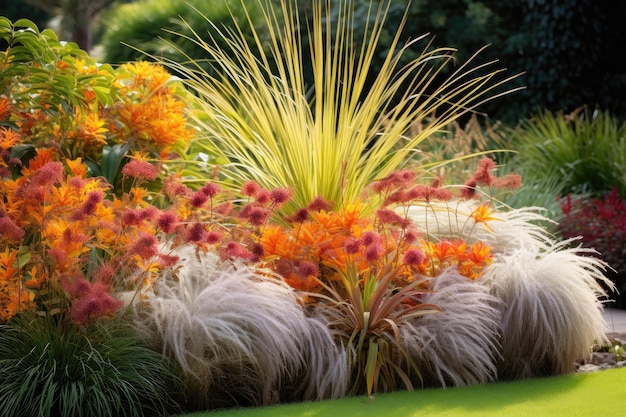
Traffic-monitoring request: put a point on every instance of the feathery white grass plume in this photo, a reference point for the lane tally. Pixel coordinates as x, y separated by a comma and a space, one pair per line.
460, 345
510, 229
552, 303
240, 335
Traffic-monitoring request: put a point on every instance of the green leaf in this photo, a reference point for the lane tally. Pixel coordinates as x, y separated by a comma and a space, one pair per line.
26, 23
112, 157
371, 366
23, 256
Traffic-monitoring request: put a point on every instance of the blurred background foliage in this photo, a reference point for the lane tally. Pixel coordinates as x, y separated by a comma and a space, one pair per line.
567, 50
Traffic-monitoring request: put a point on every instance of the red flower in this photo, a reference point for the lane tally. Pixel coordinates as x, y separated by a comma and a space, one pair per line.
140, 169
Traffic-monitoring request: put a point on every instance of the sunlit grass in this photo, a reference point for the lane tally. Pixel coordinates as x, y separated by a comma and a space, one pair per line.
333, 137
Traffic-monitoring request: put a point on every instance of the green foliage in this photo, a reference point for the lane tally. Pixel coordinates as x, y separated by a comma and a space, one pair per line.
40, 72
585, 149
102, 371
136, 30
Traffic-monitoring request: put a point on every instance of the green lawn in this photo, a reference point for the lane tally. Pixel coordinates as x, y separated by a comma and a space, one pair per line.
578, 395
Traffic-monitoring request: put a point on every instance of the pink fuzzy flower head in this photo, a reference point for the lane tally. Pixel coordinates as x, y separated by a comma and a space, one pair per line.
308, 269
49, 174
97, 302
140, 169
224, 208
89, 207
258, 215
76, 287
319, 203
373, 252
413, 257
146, 246
58, 255
77, 182
9, 229
172, 187
280, 195
370, 238
387, 216
43, 179
167, 222
210, 190
235, 250
212, 237
411, 235
130, 217
397, 197
483, 175
196, 233
468, 191
442, 194
352, 245
257, 252
263, 196
300, 216
104, 274
511, 182
167, 261
250, 188
198, 199
148, 213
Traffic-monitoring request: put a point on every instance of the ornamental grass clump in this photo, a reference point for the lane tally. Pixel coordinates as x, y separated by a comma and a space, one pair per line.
106, 370
332, 137
239, 335
547, 284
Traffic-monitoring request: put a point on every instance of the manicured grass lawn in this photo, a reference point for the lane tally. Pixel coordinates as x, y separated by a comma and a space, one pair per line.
578, 395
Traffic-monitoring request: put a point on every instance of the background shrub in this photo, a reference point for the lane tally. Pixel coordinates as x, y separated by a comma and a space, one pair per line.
601, 224
564, 48
586, 149
133, 31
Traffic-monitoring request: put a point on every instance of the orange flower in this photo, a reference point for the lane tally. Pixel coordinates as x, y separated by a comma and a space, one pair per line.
91, 128
300, 283
13, 299
276, 242
77, 167
8, 137
483, 215
144, 73
7, 263
5, 107
351, 214
330, 220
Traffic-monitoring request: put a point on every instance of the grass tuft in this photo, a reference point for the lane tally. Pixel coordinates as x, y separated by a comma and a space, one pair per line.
240, 336
335, 136
460, 346
103, 371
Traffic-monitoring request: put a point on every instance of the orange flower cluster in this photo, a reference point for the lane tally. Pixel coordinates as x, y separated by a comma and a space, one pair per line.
315, 251
69, 240
149, 111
